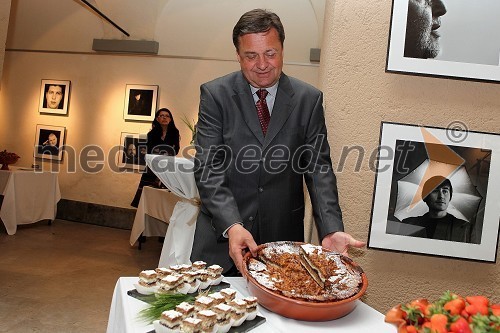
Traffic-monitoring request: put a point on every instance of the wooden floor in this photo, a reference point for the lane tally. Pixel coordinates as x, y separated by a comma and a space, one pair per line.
61, 277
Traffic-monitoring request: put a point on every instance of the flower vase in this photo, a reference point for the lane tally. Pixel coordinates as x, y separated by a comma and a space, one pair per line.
5, 166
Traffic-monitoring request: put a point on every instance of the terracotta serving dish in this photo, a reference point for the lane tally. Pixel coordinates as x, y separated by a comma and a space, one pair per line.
301, 309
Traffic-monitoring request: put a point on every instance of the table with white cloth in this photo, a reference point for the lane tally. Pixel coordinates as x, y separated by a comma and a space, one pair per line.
29, 196
123, 315
157, 203
176, 173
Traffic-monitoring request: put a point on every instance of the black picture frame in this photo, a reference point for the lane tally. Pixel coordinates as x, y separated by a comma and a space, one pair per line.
409, 156
54, 97
140, 102
133, 150
49, 142
469, 48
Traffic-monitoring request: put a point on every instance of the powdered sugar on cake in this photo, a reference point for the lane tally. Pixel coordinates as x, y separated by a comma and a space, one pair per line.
305, 272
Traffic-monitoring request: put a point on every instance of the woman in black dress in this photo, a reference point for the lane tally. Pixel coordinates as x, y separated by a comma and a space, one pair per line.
163, 139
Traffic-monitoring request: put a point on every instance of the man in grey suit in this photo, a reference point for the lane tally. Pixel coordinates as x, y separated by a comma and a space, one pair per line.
250, 172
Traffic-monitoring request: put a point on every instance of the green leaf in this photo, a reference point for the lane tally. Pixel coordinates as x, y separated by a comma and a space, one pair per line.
191, 125
413, 314
446, 297
163, 302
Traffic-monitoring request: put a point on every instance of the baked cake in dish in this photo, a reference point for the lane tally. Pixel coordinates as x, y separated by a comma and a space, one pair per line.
305, 271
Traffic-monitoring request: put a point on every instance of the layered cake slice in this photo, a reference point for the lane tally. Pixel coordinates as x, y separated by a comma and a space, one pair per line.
191, 325
171, 319
148, 278
185, 309
170, 283
208, 319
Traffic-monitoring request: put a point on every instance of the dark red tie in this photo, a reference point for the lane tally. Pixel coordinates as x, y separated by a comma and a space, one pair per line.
262, 110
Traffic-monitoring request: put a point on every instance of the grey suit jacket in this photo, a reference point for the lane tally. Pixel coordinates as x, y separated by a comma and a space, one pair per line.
245, 177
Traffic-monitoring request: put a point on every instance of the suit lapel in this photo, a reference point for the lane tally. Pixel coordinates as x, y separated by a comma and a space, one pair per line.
245, 103
281, 110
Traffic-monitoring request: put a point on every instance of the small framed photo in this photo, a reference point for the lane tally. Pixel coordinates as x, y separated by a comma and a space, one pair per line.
49, 142
445, 38
54, 97
140, 102
436, 192
133, 150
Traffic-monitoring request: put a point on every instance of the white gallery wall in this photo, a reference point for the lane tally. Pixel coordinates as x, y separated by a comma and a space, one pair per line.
359, 95
4, 25
195, 47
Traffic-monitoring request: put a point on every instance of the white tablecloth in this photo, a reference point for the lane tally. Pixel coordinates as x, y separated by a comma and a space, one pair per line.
364, 319
29, 197
157, 203
4, 177
176, 173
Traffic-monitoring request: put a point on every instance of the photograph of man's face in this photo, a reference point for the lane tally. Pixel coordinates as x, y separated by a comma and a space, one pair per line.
445, 38
54, 95
49, 142
134, 150
49, 138
425, 190
131, 151
422, 24
439, 198
52, 141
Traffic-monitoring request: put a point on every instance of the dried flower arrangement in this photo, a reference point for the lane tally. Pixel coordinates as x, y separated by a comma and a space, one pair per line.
7, 158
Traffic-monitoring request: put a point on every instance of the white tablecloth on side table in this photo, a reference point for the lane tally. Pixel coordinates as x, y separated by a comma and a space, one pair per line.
157, 203
29, 197
364, 319
176, 173
4, 178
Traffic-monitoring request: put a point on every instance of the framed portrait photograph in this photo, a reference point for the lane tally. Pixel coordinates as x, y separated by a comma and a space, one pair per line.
445, 38
436, 192
133, 150
49, 142
140, 102
54, 97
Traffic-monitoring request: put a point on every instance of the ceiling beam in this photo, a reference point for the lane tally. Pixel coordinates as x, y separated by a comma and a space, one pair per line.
105, 17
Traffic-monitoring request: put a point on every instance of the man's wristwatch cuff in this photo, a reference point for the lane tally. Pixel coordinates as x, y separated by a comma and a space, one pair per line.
224, 234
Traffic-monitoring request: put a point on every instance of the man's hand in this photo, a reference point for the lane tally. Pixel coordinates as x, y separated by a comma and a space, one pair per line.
240, 239
340, 241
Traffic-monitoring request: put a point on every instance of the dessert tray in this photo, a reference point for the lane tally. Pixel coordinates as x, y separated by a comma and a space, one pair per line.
189, 298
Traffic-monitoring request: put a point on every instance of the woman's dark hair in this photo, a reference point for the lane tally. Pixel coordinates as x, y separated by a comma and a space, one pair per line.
171, 129
255, 21
170, 144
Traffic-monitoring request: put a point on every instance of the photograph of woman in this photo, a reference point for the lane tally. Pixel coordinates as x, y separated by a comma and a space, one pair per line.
140, 102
